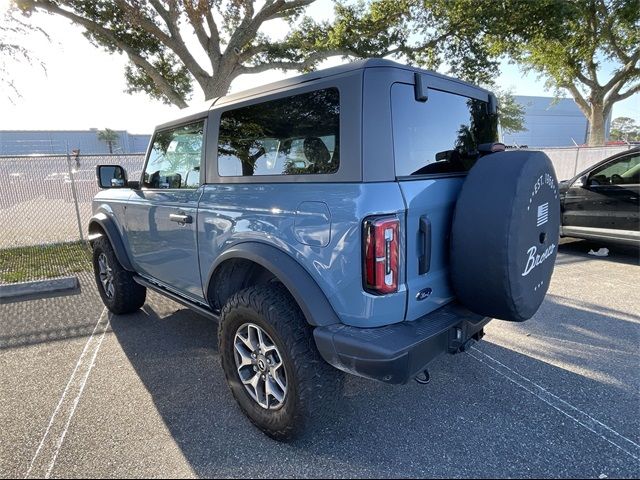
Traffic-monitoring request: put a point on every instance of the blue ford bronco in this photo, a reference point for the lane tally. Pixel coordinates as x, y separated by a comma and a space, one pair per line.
359, 219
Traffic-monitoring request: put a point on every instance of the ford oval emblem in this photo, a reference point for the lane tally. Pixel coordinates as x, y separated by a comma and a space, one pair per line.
424, 293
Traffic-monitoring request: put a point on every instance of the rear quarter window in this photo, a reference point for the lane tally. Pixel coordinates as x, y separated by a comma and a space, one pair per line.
296, 135
440, 135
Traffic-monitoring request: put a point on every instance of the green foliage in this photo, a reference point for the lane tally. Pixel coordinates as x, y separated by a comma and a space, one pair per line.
577, 36
108, 136
510, 112
231, 41
169, 68
567, 41
624, 129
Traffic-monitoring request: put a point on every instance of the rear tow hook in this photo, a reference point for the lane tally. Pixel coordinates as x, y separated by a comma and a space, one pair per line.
423, 378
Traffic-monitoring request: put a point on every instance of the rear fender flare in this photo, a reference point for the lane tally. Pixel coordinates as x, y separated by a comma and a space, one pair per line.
309, 296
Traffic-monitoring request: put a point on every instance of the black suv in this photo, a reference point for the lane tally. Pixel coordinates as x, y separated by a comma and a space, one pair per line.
601, 203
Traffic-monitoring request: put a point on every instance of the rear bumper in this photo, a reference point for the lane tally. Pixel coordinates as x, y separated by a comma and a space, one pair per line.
397, 353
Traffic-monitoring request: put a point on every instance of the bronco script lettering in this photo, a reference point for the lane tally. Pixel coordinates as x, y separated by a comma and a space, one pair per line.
534, 260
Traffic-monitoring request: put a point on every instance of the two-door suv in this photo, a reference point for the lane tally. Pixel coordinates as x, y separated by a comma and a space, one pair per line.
362, 217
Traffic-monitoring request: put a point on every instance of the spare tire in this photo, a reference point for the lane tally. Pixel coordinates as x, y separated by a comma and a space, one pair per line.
505, 233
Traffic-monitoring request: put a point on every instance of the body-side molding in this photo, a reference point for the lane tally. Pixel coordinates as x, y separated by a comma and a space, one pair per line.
309, 296
624, 237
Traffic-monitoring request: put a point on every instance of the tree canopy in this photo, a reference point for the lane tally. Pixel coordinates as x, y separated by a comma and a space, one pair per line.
574, 44
174, 45
13, 31
625, 129
588, 48
108, 136
510, 113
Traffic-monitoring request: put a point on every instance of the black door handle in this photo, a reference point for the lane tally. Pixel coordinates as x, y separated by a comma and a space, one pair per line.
424, 263
181, 218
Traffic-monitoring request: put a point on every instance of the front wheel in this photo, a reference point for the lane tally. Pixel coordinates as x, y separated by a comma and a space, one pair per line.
271, 363
119, 291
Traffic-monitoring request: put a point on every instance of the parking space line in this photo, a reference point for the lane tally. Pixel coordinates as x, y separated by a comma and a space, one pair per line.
581, 418
54, 435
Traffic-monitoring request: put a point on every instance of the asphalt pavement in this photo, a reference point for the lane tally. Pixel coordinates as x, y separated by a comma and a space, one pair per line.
87, 394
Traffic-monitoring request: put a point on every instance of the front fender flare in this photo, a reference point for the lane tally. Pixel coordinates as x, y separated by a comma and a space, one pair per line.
108, 226
304, 289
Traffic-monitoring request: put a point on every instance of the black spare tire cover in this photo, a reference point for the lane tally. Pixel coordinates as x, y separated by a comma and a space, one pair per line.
505, 233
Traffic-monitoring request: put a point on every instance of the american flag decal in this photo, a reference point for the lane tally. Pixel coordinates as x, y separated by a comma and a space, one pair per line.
543, 214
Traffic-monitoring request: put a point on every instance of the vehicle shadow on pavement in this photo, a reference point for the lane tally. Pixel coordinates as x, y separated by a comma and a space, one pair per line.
469, 421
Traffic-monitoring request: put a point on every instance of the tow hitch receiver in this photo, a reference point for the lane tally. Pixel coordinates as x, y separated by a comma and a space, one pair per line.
459, 342
423, 378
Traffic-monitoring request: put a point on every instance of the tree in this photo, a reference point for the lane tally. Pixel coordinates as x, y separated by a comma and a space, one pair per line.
569, 43
624, 129
229, 38
12, 31
108, 136
510, 112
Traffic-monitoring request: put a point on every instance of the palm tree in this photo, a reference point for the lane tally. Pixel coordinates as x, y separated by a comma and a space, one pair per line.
108, 136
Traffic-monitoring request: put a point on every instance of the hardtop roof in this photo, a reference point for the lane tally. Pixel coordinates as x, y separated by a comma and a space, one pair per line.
328, 72
198, 110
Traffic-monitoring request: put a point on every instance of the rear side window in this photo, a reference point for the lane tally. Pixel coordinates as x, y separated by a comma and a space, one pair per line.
440, 135
297, 135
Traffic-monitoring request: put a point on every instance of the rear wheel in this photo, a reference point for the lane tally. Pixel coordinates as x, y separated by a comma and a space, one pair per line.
118, 290
271, 362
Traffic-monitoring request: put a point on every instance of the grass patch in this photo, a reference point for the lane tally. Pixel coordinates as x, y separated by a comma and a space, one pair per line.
45, 261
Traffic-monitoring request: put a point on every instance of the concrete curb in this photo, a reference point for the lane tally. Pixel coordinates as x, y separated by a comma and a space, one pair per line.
37, 287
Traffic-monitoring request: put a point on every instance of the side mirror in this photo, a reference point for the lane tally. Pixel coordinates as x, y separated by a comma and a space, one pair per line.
443, 156
111, 176
583, 182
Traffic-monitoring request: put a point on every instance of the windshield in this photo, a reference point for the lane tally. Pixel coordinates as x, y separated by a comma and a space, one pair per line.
440, 135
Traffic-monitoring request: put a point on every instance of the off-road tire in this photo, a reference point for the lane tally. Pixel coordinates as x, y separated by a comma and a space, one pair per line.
313, 386
128, 296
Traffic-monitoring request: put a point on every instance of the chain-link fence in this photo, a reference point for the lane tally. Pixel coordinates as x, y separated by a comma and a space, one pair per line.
569, 161
45, 204
47, 199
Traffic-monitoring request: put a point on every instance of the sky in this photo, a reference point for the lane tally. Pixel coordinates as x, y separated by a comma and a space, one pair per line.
83, 86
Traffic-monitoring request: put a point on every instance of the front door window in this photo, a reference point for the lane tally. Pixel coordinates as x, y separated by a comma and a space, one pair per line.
176, 154
623, 171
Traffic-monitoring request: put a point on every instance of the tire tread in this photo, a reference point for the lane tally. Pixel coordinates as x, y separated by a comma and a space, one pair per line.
319, 384
129, 295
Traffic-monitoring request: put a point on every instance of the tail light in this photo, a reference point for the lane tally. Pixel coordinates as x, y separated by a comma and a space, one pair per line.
381, 250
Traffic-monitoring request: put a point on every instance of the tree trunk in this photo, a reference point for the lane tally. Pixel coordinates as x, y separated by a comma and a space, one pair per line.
219, 84
596, 126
